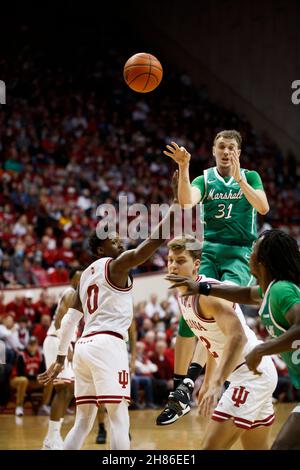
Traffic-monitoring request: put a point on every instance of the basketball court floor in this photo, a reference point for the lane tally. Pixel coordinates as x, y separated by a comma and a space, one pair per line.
27, 433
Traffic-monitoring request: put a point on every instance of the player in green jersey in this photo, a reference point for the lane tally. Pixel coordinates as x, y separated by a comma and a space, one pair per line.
275, 262
230, 198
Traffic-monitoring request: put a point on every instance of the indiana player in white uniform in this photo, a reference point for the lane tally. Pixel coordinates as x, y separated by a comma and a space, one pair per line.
245, 408
100, 358
64, 382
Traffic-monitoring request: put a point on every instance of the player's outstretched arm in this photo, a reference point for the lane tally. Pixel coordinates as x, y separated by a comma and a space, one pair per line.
241, 295
132, 258
188, 196
67, 331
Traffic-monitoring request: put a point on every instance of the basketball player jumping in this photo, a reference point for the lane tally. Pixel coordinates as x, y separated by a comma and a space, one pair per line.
230, 197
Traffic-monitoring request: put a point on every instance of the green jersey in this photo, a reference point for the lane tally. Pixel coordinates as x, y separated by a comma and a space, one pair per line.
279, 298
227, 215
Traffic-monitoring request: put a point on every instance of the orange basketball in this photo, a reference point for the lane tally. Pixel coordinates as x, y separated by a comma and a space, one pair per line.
143, 72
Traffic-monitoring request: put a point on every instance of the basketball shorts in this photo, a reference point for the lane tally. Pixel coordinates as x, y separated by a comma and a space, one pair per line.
101, 370
248, 399
50, 349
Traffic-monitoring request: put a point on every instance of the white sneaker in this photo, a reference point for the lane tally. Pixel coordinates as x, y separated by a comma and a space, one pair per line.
55, 443
19, 411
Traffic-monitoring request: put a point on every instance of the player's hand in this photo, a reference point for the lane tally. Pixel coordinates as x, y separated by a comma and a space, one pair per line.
50, 373
235, 166
179, 281
179, 154
253, 360
175, 186
209, 400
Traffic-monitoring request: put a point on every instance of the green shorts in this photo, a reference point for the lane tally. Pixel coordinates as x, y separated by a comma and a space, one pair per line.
225, 263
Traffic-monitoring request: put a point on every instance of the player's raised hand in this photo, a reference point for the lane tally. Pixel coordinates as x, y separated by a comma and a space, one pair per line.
50, 373
179, 154
235, 166
253, 360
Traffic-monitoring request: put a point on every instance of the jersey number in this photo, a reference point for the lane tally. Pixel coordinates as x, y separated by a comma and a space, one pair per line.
92, 300
208, 346
221, 211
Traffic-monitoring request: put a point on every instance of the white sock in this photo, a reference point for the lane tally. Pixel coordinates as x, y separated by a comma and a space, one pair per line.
53, 428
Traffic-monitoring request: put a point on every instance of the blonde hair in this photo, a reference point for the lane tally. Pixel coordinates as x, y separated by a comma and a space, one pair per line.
187, 243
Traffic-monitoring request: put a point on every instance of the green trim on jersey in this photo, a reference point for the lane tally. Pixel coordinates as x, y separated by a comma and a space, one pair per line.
228, 217
278, 299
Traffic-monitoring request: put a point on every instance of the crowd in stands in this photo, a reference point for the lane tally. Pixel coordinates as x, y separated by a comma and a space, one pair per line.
77, 138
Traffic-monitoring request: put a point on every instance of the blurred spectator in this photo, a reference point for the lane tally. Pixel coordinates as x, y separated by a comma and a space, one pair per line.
163, 382
29, 364
142, 378
40, 330
59, 274
153, 307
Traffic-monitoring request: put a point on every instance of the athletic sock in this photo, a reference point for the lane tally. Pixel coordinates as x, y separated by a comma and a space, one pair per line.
194, 371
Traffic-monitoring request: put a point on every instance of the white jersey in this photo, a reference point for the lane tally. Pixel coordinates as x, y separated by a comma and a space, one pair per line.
106, 307
52, 331
208, 331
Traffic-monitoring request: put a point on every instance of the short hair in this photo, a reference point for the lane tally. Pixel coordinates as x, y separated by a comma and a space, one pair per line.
230, 134
94, 242
187, 243
279, 253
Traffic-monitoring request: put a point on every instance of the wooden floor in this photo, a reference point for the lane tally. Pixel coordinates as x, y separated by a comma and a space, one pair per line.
28, 432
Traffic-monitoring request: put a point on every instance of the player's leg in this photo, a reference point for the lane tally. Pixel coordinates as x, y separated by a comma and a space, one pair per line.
85, 394
63, 394
221, 435
233, 264
289, 435
21, 385
184, 349
118, 417
257, 438
84, 421
101, 436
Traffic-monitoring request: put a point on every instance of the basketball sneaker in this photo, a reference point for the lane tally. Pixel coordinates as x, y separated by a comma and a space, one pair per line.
19, 411
178, 403
101, 436
54, 443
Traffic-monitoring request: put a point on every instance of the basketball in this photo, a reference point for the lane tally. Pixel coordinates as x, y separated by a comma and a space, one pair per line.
143, 72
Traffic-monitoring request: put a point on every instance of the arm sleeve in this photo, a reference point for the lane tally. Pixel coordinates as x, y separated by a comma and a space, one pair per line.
283, 296
254, 180
199, 183
67, 330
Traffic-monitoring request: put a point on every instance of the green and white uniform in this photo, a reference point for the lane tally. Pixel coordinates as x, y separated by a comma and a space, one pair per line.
229, 228
278, 299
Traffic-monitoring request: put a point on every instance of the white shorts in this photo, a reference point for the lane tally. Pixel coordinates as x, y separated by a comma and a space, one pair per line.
101, 370
50, 349
248, 399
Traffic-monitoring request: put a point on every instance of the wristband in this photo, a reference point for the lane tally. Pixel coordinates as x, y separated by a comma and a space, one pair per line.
204, 288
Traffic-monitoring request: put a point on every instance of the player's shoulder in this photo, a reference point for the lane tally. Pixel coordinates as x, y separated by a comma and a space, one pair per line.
282, 288
95, 267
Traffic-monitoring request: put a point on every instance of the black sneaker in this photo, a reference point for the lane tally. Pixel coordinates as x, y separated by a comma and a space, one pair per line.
101, 437
174, 409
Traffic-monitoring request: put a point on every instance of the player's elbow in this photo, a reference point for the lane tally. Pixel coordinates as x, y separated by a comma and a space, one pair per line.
239, 339
264, 209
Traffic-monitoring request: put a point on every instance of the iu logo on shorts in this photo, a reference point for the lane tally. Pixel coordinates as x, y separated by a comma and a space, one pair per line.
239, 396
123, 378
